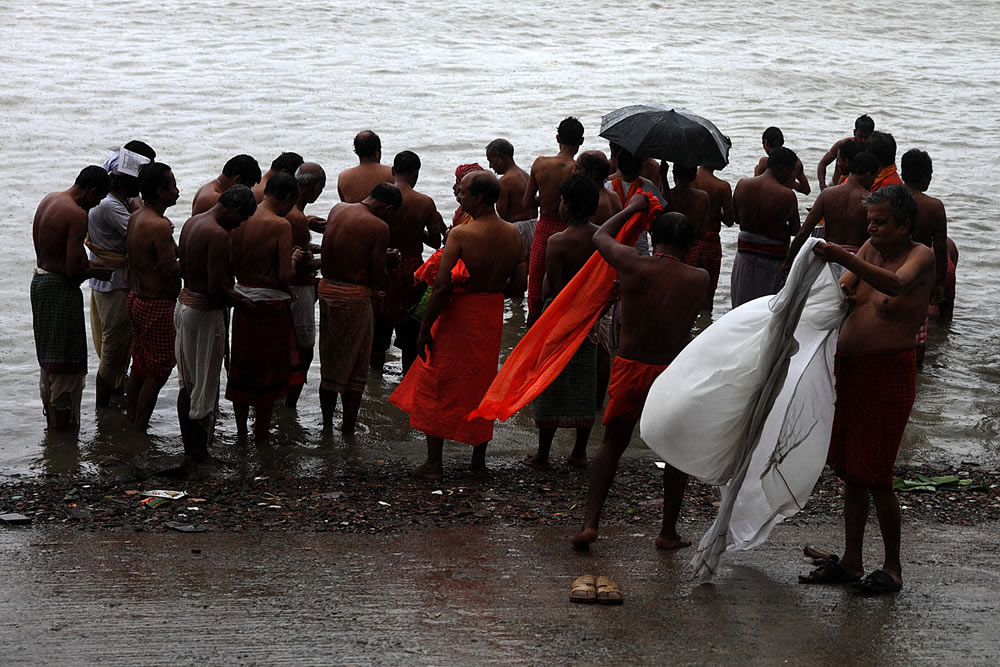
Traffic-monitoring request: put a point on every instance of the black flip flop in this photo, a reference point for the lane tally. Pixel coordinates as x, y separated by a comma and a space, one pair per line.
878, 582
829, 572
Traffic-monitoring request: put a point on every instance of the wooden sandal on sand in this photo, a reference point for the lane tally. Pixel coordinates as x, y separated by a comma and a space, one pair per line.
584, 589
608, 591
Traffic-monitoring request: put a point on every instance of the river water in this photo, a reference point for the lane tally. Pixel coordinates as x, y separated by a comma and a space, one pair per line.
202, 81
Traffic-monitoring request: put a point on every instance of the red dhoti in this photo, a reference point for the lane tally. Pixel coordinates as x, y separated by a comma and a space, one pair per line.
441, 392
875, 394
263, 347
153, 335
706, 254
546, 227
628, 388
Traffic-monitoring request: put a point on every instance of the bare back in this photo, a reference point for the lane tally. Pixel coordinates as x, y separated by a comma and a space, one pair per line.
492, 251
301, 237
565, 254
511, 206
766, 207
661, 297
58, 231
720, 194
607, 205
547, 174
843, 209
354, 246
206, 197
930, 225
415, 217
693, 203
152, 255
356, 183
204, 257
262, 250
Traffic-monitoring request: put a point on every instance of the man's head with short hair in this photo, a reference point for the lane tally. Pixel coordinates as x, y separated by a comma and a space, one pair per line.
883, 147
367, 145
283, 187
406, 162
94, 184
863, 128
781, 163
672, 229
311, 179
684, 173
580, 195
902, 205
499, 155
239, 203
155, 182
570, 132
595, 165
384, 198
484, 185
287, 163
772, 138
917, 168
629, 165
865, 167
243, 169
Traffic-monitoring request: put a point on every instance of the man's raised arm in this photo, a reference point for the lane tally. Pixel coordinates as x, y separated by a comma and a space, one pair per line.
613, 252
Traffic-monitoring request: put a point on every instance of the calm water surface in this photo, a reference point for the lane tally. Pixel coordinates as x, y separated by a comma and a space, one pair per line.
202, 81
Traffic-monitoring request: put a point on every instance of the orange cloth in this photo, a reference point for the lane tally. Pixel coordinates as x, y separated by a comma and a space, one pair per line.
428, 271
439, 393
550, 344
886, 177
629, 387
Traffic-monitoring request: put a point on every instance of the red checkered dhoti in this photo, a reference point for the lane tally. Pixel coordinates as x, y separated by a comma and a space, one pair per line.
153, 336
547, 226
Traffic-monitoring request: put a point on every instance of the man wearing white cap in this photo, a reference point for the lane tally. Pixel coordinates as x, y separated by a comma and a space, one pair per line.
107, 222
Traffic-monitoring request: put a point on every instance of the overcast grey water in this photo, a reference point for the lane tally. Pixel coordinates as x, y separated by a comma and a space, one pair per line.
202, 81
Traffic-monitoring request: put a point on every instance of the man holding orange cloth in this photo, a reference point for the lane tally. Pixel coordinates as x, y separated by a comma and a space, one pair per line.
459, 341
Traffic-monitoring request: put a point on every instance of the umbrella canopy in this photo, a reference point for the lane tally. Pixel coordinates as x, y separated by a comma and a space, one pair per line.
667, 133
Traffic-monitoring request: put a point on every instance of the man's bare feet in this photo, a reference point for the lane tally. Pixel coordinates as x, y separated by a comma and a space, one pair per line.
584, 538
428, 472
668, 542
536, 463
580, 463
479, 472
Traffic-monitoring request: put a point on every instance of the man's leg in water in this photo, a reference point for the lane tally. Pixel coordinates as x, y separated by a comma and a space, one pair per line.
603, 467
327, 405
352, 405
540, 459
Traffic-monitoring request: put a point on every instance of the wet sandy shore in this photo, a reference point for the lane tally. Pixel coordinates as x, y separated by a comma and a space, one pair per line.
475, 595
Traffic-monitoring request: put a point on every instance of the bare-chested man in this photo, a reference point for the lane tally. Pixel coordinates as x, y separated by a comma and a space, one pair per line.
513, 182
414, 224
199, 316
286, 163
264, 262
696, 206
771, 139
863, 128
768, 214
661, 297
570, 401
311, 179
843, 209
239, 170
459, 343
547, 174
354, 257
649, 168
721, 212
890, 281
883, 147
155, 281
58, 231
595, 165
930, 227
106, 226
356, 183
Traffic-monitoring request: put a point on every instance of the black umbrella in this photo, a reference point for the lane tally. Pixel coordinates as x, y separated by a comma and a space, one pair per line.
667, 133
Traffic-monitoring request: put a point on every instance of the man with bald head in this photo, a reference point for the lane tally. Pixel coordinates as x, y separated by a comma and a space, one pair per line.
414, 224
356, 183
311, 180
286, 163
459, 342
239, 170
58, 231
547, 174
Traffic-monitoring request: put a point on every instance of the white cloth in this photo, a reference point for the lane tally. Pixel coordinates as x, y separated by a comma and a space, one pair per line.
262, 293
199, 347
753, 392
106, 226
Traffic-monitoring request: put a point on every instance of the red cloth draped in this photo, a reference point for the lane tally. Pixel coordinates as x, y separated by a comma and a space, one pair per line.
875, 394
886, 177
628, 388
439, 393
262, 350
548, 346
428, 271
546, 227
153, 334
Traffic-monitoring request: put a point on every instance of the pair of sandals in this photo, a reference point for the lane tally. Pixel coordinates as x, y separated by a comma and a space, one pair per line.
589, 589
830, 571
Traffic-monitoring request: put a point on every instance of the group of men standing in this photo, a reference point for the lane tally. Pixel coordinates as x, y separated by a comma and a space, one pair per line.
247, 247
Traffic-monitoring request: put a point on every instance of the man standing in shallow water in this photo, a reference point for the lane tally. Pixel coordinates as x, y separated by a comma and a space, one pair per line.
58, 231
889, 282
356, 183
661, 297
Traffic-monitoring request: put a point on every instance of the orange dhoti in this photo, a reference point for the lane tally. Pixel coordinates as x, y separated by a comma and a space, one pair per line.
629, 387
440, 393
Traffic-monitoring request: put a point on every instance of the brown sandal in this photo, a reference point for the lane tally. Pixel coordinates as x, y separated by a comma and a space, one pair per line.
608, 591
584, 589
